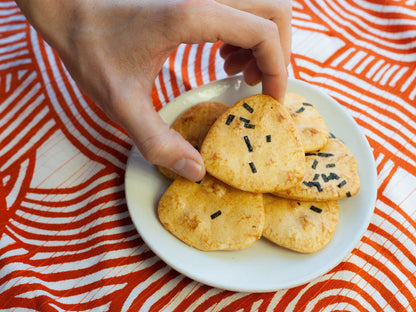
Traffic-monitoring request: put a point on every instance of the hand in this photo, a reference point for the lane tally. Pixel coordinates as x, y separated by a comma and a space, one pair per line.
115, 49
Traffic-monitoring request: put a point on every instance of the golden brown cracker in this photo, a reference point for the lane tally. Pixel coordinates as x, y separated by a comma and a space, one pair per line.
304, 227
255, 146
312, 128
331, 173
194, 124
211, 215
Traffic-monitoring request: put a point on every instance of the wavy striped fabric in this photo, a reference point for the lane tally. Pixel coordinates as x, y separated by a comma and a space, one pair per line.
66, 239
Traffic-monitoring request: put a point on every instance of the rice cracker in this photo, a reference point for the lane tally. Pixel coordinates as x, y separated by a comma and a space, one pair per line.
304, 227
194, 124
254, 146
211, 215
331, 173
312, 128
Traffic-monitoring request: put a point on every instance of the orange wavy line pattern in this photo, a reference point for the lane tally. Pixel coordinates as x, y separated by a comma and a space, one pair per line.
66, 238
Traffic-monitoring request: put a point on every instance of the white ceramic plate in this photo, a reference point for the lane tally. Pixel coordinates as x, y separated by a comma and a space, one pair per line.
264, 266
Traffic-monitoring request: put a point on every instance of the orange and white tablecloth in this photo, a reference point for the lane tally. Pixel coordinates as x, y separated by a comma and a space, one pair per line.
67, 242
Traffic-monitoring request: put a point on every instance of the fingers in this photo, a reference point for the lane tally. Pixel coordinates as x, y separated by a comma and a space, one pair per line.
132, 55
154, 139
236, 61
214, 21
278, 11
270, 62
252, 74
268, 69
169, 149
261, 36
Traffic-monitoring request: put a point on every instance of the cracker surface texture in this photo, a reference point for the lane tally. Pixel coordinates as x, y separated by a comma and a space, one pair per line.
304, 227
194, 124
312, 128
255, 146
211, 215
331, 174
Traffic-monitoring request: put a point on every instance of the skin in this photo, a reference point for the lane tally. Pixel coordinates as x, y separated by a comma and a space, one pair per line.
114, 50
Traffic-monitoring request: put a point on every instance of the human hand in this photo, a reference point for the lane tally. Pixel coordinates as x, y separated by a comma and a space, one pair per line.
115, 49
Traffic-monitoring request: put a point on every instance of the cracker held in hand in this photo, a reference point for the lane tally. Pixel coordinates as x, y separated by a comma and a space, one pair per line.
312, 128
331, 173
211, 215
194, 124
304, 227
255, 146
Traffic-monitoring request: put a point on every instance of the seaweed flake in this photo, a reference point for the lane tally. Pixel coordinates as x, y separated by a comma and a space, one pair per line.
300, 110
314, 184
248, 107
230, 119
343, 182
245, 120
321, 154
216, 214
249, 146
316, 209
253, 167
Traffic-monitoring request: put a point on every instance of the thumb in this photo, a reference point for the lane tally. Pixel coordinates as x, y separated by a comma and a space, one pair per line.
166, 147
157, 142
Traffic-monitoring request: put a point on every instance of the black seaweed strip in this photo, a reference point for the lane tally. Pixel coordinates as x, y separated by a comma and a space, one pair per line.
316, 177
307, 104
244, 120
268, 138
318, 186
300, 110
249, 126
253, 167
348, 194
247, 140
343, 182
330, 165
310, 154
248, 107
316, 209
216, 214
324, 177
230, 119
312, 184
332, 176
315, 163
325, 154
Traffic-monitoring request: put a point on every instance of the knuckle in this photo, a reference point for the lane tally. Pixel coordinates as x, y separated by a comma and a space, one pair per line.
180, 19
271, 29
186, 10
283, 10
191, 13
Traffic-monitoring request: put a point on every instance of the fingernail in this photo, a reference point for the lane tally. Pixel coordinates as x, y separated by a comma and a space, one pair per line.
189, 169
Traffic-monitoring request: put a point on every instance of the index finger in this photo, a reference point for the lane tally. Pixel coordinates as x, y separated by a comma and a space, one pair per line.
278, 11
242, 29
270, 61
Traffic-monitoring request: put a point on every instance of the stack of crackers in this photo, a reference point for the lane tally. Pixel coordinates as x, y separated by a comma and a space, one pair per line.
273, 170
